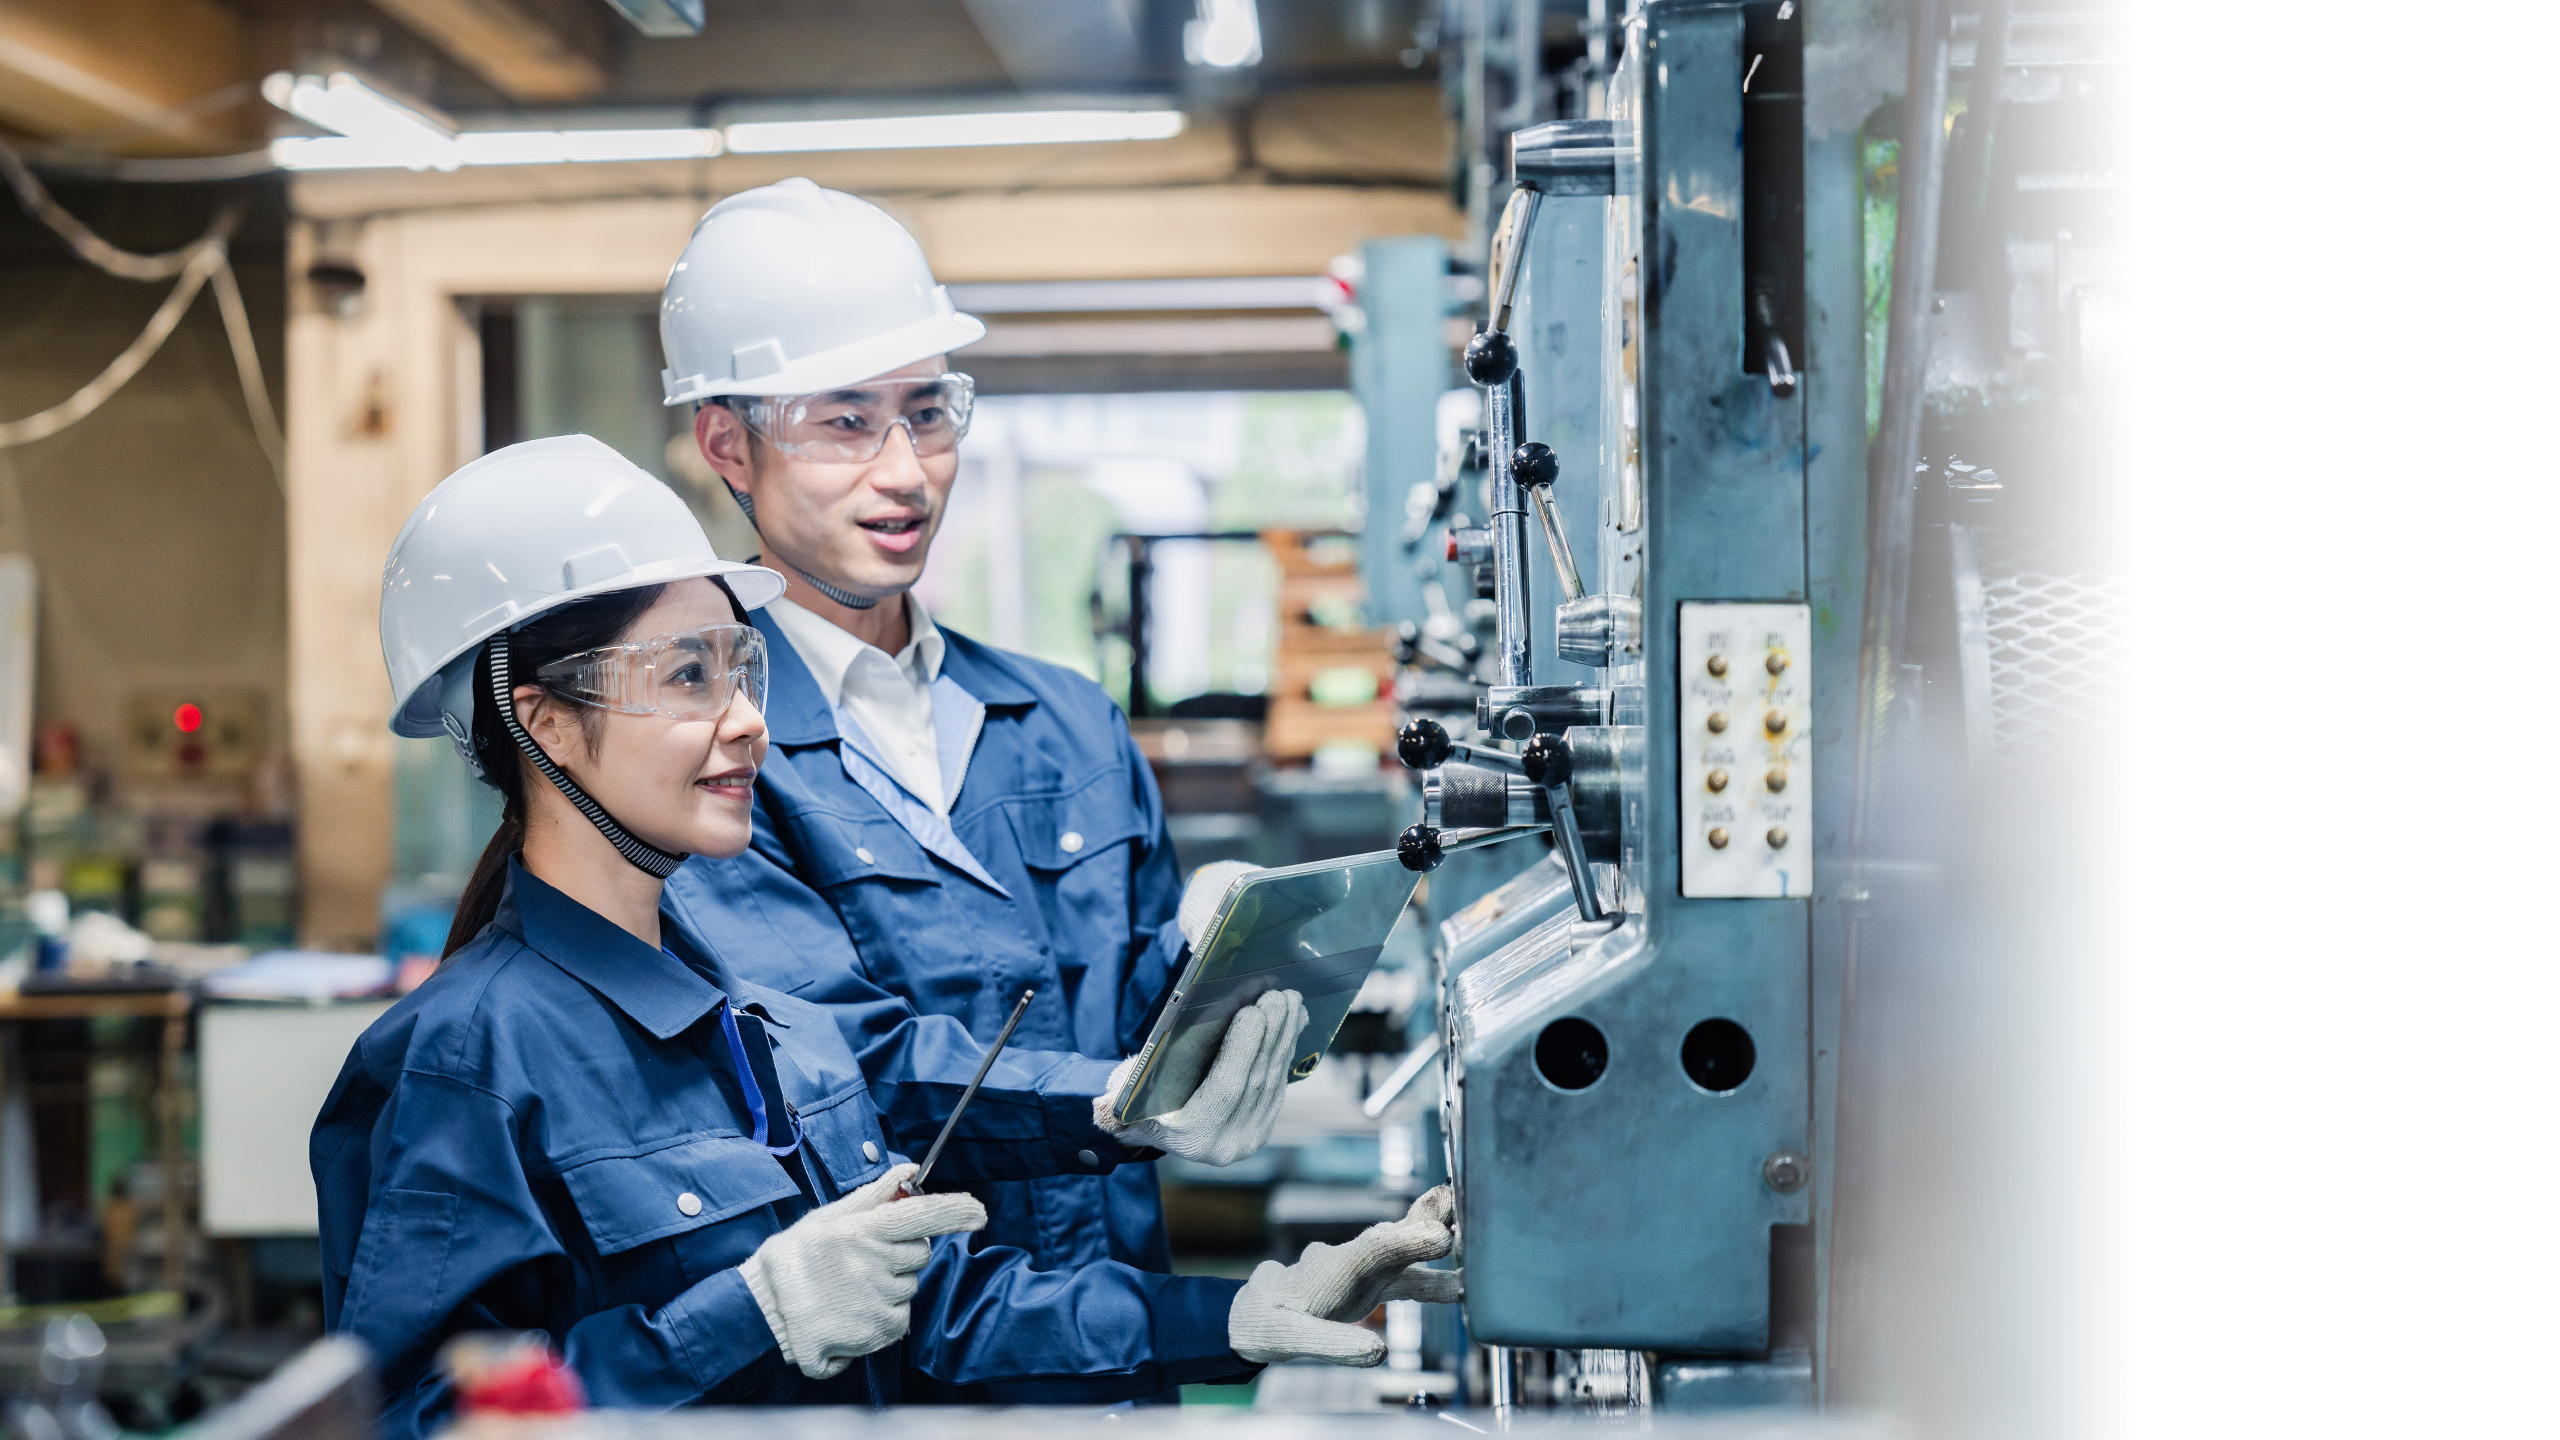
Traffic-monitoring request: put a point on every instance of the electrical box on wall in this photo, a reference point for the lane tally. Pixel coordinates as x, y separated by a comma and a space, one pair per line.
1746, 751
194, 734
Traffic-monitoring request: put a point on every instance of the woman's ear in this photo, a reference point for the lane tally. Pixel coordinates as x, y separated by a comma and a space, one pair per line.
548, 719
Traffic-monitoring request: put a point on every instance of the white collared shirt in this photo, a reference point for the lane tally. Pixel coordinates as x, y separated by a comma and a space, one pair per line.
890, 697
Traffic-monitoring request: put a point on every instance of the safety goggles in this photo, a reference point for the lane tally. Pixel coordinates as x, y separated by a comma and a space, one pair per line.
850, 425
689, 676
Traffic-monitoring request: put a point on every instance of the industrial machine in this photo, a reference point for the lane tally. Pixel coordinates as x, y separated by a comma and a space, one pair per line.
1628, 1024
1693, 651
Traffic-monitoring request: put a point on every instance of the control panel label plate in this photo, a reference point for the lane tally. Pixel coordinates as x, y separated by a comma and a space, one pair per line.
1746, 751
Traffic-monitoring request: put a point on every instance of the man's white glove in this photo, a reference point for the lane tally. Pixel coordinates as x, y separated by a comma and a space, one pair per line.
1311, 1310
1202, 896
835, 1285
1230, 1116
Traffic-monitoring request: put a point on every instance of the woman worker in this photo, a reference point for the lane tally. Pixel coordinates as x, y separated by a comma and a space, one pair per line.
585, 1124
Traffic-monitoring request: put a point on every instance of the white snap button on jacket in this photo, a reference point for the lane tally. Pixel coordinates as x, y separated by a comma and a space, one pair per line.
862, 855
1087, 1158
689, 1203
1071, 842
870, 1152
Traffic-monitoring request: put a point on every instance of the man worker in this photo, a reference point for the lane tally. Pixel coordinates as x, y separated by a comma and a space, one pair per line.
939, 824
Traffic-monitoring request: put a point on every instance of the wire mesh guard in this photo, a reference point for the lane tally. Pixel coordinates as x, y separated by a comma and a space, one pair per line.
2057, 632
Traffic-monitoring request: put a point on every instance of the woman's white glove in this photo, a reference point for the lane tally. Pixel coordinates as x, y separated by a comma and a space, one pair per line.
1310, 1310
835, 1285
1230, 1116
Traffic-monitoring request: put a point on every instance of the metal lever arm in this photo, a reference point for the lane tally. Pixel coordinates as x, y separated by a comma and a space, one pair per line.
1424, 744
1533, 469
1549, 765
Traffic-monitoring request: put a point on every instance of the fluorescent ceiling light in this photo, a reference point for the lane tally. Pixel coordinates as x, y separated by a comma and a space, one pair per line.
375, 131
1228, 34
916, 132
560, 147
379, 124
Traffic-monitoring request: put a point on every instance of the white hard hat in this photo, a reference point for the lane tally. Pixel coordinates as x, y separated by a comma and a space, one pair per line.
513, 534
790, 290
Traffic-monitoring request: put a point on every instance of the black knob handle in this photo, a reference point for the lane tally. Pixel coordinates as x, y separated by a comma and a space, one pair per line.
1546, 761
1491, 358
1418, 849
1422, 744
1533, 464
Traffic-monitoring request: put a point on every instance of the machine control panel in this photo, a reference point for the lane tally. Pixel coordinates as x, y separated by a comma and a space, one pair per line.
1746, 751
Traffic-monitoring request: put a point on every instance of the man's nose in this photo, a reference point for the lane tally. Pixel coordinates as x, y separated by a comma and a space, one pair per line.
898, 469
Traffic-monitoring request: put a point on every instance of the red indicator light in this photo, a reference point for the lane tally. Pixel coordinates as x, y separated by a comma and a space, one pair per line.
190, 719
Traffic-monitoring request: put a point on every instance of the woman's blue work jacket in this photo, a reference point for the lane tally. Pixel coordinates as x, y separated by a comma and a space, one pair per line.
551, 1135
1052, 872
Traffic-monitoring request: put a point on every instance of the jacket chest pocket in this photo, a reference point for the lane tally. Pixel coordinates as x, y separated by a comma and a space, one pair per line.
1080, 847
844, 1132
709, 1198
836, 849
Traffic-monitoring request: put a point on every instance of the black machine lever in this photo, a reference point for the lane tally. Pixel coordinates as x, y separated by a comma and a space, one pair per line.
1546, 762
1533, 469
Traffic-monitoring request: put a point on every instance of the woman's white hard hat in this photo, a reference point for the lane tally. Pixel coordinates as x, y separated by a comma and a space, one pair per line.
516, 533
789, 289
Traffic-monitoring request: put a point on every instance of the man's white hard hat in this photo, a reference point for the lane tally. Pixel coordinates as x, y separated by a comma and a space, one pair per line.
789, 289
516, 533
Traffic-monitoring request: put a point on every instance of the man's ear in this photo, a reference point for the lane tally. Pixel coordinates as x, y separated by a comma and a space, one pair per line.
725, 445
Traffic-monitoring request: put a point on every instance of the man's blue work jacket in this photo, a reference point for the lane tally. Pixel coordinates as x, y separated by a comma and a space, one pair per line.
553, 1134
1053, 872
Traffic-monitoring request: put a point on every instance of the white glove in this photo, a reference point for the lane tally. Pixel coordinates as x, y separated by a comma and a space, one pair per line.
1230, 1116
1202, 896
1310, 1310
835, 1285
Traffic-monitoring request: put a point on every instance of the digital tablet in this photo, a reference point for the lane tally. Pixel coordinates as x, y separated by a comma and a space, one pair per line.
1316, 929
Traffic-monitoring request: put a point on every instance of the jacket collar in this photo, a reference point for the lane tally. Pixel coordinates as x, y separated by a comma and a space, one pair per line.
984, 671
661, 994
798, 712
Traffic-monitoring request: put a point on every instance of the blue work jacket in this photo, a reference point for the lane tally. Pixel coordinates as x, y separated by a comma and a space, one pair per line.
552, 1134
1052, 872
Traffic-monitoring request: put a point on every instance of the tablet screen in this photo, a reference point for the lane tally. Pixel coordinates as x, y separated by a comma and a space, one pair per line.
1316, 929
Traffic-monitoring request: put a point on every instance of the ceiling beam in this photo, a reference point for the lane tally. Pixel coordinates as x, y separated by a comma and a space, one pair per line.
128, 75
534, 54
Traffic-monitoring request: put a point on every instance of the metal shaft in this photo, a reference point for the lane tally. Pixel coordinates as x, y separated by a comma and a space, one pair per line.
1510, 524
1568, 574
1577, 862
915, 1186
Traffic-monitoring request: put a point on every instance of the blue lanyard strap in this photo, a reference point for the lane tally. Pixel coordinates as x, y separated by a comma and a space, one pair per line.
754, 1089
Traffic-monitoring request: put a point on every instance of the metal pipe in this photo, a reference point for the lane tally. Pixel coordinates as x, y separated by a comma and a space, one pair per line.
1895, 454
1969, 166
1414, 1063
1510, 525
1847, 1369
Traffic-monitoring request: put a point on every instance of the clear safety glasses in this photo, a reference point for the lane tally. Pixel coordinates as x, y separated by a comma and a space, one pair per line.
851, 425
689, 676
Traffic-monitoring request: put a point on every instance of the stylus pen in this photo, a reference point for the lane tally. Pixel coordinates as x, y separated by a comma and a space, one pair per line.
915, 1184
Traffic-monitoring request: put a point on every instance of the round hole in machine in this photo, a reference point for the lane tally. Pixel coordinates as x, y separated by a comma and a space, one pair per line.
1572, 1053
1718, 1055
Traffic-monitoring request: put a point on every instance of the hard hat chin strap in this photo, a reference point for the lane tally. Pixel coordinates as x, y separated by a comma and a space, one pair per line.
639, 852
845, 598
